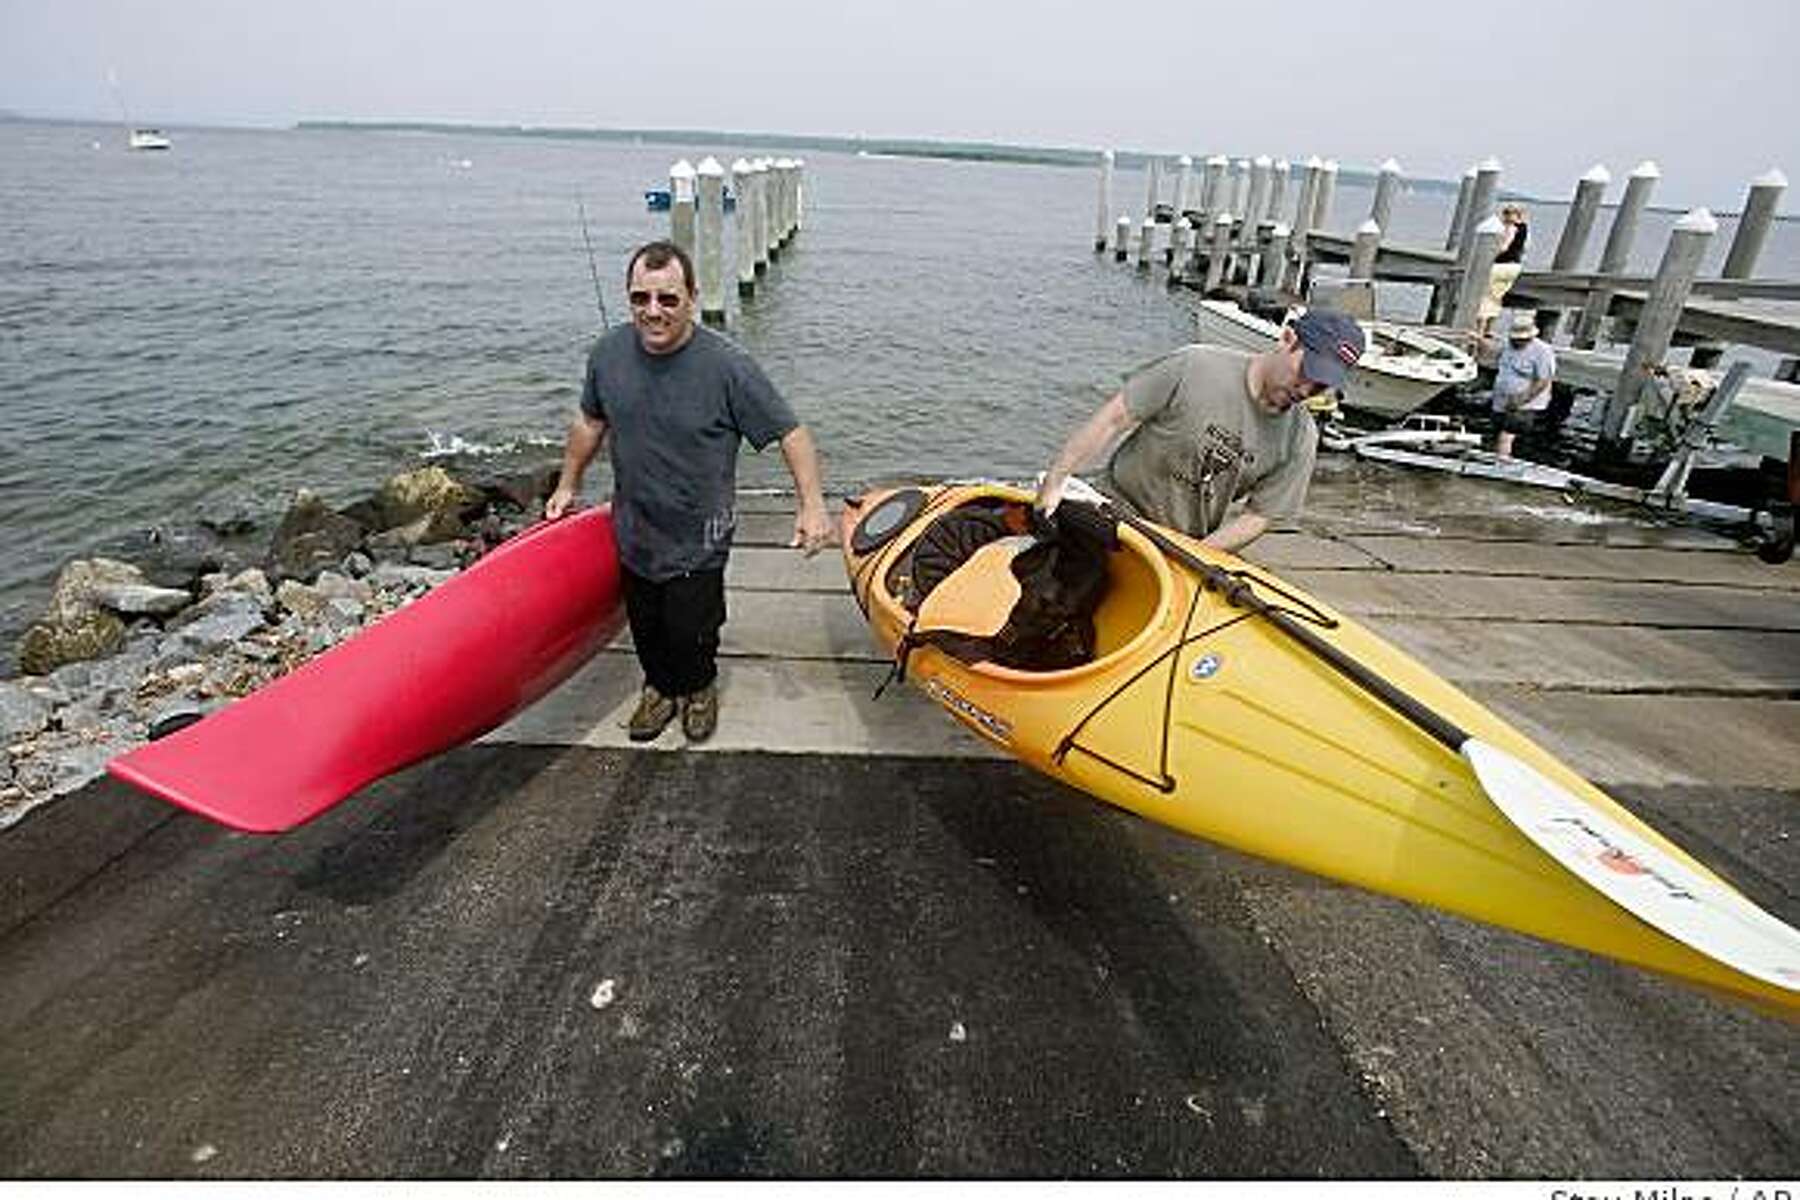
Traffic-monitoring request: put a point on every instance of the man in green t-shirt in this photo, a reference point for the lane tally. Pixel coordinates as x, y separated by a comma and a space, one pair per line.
1206, 425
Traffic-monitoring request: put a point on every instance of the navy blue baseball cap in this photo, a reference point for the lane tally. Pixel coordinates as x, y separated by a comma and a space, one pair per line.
1332, 341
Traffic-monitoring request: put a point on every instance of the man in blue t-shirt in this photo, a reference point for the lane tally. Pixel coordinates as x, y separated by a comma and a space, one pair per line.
677, 399
1523, 374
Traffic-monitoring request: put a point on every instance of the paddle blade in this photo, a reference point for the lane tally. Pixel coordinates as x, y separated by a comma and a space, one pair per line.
1644, 879
977, 598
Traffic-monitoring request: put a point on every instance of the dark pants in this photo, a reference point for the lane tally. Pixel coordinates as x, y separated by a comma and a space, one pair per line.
675, 627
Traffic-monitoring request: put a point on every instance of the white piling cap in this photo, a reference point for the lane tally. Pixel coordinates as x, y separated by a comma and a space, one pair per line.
1698, 220
1490, 163
1646, 170
784, 164
1390, 167
1106, 156
1313, 163
682, 170
1469, 174
1282, 164
1184, 162
1264, 161
1774, 178
799, 164
1280, 230
1331, 166
740, 166
1184, 223
1491, 225
1597, 174
709, 166
1223, 218
1242, 164
1125, 221
1148, 222
1218, 160
1368, 226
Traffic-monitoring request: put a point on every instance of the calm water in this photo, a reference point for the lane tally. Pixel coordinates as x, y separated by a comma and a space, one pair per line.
260, 311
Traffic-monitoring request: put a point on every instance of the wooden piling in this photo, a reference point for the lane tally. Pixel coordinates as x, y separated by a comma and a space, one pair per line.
1589, 191
742, 186
1657, 319
1304, 205
1362, 251
1184, 182
1255, 208
1278, 185
759, 213
1218, 252
1153, 186
1180, 235
1103, 217
1212, 183
1240, 187
1483, 246
1122, 239
1146, 242
1274, 257
681, 206
1481, 203
799, 195
1753, 225
710, 262
1387, 186
1453, 238
1617, 253
1327, 192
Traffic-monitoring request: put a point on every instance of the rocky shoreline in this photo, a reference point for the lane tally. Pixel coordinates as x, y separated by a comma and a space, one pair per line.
205, 613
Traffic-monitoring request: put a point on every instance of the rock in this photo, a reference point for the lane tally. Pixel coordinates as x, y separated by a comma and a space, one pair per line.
223, 627
252, 582
428, 491
358, 564
228, 516
426, 530
45, 647
171, 556
521, 491
407, 578
300, 599
343, 615
333, 586
141, 599
21, 712
176, 715
310, 538
446, 557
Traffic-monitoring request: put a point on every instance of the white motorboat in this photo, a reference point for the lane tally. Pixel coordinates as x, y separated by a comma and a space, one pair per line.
1401, 369
148, 139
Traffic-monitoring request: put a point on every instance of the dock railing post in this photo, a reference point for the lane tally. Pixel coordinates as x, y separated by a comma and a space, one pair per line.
1122, 239
1103, 217
1617, 254
1387, 186
681, 205
1482, 248
743, 184
711, 259
1656, 323
1363, 250
1589, 191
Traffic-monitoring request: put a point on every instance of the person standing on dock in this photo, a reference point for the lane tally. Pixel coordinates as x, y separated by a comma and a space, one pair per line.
678, 399
1508, 263
1206, 425
1523, 373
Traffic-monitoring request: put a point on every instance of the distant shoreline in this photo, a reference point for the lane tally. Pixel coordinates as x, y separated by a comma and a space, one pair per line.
995, 152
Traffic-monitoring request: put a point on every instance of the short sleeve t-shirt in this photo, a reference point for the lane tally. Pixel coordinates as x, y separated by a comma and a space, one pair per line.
1203, 441
1517, 368
674, 422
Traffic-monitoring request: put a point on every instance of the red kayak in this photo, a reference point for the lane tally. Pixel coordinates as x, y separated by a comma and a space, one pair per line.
452, 665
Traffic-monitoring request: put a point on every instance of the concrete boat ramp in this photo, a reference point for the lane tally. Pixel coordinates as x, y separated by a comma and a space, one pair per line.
844, 939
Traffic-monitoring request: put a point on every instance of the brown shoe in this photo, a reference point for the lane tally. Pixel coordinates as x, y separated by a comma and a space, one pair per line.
654, 712
700, 713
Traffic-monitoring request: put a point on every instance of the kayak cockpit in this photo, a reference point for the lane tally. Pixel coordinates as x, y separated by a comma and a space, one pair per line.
979, 578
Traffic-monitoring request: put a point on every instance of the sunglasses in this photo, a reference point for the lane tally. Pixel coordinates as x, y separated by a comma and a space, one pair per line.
663, 299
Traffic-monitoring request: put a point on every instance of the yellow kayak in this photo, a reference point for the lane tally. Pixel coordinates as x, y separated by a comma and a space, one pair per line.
1230, 706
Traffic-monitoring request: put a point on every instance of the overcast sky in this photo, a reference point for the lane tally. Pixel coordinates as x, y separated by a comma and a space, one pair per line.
1708, 90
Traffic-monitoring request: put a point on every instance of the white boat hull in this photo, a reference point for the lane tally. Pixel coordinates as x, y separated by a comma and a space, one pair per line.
1401, 370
